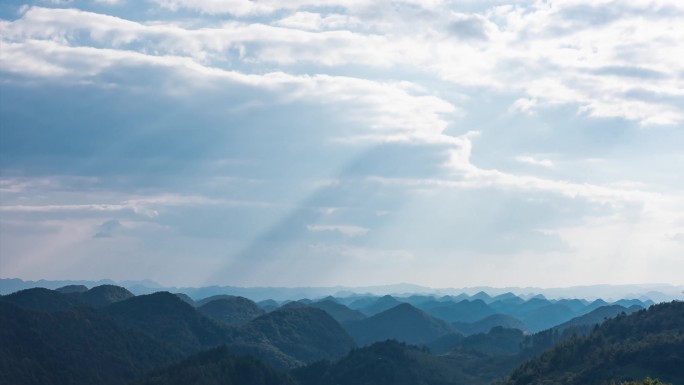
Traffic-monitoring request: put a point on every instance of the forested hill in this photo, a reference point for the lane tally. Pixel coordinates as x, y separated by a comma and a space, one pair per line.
217, 367
383, 363
107, 336
626, 348
74, 346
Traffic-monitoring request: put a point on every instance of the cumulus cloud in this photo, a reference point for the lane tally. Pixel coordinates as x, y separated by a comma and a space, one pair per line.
390, 110
581, 66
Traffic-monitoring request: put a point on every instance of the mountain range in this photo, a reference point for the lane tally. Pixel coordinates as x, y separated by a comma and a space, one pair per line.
108, 335
654, 292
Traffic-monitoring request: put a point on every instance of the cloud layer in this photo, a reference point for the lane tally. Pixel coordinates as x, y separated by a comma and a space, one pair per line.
328, 142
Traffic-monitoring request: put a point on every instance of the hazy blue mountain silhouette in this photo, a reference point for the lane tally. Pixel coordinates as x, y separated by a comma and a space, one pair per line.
546, 317
596, 316
577, 306
507, 305
631, 302
379, 305
482, 296
532, 304
484, 325
338, 311
508, 296
268, 304
356, 301
595, 305
418, 299
463, 311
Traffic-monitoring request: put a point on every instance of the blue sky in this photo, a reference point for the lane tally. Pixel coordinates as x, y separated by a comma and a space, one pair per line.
327, 142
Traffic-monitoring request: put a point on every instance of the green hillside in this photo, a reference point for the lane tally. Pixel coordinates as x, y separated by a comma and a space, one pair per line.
75, 346
216, 367
625, 348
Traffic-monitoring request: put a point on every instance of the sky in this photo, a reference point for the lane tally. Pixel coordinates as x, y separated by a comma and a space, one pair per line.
329, 142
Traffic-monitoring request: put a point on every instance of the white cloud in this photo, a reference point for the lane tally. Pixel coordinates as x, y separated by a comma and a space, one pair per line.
148, 206
235, 7
534, 161
389, 109
467, 175
546, 52
347, 230
248, 7
315, 21
346, 60
21, 185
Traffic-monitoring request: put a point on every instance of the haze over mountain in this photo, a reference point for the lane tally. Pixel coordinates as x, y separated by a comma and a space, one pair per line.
463, 311
372, 306
597, 316
654, 292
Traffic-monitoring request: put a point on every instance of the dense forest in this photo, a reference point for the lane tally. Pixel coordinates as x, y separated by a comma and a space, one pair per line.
649, 341
217, 367
107, 335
